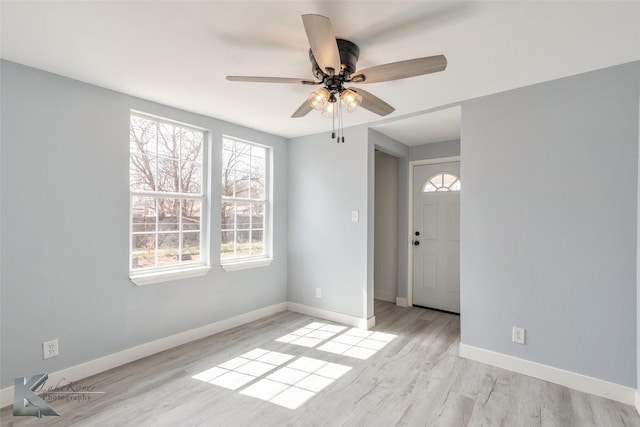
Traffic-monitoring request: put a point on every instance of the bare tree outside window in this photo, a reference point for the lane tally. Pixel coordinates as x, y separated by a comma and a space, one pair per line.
165, 178
244, 199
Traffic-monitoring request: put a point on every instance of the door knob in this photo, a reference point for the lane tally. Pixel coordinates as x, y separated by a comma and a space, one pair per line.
416, 243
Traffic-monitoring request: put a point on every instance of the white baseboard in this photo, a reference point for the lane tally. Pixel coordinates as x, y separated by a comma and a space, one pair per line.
87, 369
345, 319
93, 367
371, 322
402, 302
617, 392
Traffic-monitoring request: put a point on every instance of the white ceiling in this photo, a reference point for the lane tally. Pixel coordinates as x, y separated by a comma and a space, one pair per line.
178, 53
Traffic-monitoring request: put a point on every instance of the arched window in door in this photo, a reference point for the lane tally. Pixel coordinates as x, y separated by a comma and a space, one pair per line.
442, 181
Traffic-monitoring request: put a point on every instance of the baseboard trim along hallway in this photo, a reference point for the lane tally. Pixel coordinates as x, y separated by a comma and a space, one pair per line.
584, 383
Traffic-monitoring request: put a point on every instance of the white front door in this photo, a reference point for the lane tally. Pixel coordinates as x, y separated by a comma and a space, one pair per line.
436, 236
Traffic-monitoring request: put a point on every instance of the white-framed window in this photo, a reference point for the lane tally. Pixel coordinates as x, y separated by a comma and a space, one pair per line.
441, 181
245, 233
167, 166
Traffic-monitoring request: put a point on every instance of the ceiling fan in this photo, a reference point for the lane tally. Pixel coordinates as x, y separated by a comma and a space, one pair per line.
333, 62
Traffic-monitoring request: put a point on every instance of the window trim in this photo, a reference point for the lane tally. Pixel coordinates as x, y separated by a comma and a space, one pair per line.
147, 276
150, 278
252, 261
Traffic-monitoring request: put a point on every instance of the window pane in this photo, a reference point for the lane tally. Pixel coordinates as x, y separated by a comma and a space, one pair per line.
448, 179
142, 136
228, 219
243, 243
243, 216
143, 214
257, 178
191, 178
228, 144
143, 251
455, 186
142, 172
241, 184
168, 175
191, 215
257, 152
227, 182
191, 247
168, 211
191, 148
168, 248
429, 188
257, 243
227, 247
257, 216
168, 140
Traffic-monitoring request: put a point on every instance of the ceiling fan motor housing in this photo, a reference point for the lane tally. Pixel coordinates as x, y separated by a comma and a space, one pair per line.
349, 53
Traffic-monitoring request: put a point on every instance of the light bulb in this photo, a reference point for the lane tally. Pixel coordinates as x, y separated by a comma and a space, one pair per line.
318, 98
328, 109
350, 99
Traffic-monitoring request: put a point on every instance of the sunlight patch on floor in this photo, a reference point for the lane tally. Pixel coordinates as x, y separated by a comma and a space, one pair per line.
358, 343
289, 386
241, 370
274, 377
297, 382
312, 334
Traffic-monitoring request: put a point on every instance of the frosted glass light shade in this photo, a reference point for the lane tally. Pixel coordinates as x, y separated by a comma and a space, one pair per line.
329, 108
350, 99
318, 98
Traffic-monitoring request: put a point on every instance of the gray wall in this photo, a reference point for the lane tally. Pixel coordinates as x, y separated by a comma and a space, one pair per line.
379, 141
64, 225
435, 150
326, 249
549, 222
385, 265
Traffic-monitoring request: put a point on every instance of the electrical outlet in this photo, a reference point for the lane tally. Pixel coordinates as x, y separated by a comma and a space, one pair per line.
518, 335
50, 349
354, 216
318, 293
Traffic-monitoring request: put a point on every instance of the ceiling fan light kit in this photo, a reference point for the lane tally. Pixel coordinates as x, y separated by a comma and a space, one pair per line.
333, 63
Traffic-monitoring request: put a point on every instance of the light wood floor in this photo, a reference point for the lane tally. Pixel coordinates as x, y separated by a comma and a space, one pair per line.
416, 379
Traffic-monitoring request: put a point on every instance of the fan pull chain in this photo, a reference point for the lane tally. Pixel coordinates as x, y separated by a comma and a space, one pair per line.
333, 120
341, 137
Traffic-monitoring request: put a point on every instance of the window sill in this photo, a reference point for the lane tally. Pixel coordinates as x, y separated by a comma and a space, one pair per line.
246, 264
166, 276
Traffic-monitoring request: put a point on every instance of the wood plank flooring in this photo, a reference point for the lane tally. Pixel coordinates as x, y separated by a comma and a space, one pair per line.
416, 379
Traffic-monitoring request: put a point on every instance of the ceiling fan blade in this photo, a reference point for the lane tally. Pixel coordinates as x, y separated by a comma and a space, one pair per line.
373, 103
322, 41
303, 110
401, 69
252, 79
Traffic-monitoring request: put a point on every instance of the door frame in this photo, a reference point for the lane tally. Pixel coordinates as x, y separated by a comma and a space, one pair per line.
412, 165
